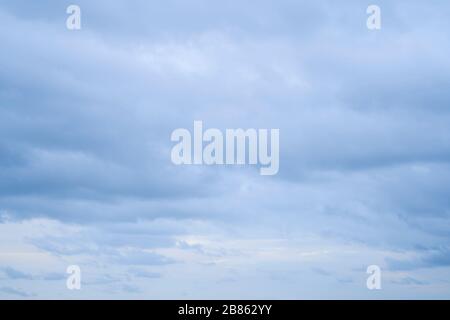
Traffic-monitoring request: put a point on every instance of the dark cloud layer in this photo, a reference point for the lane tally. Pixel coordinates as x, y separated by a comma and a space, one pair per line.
86, 118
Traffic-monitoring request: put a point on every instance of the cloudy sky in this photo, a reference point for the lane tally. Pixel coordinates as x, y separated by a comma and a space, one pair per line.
85, 171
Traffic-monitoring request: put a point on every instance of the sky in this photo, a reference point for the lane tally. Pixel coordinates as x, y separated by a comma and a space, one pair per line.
86, 176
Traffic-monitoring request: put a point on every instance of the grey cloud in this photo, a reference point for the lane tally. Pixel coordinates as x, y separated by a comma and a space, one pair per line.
140, 258
409, 281
16, 292
86, 117
14, 274
431, 258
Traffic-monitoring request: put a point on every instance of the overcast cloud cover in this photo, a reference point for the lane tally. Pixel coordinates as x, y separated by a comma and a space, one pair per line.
85, 170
